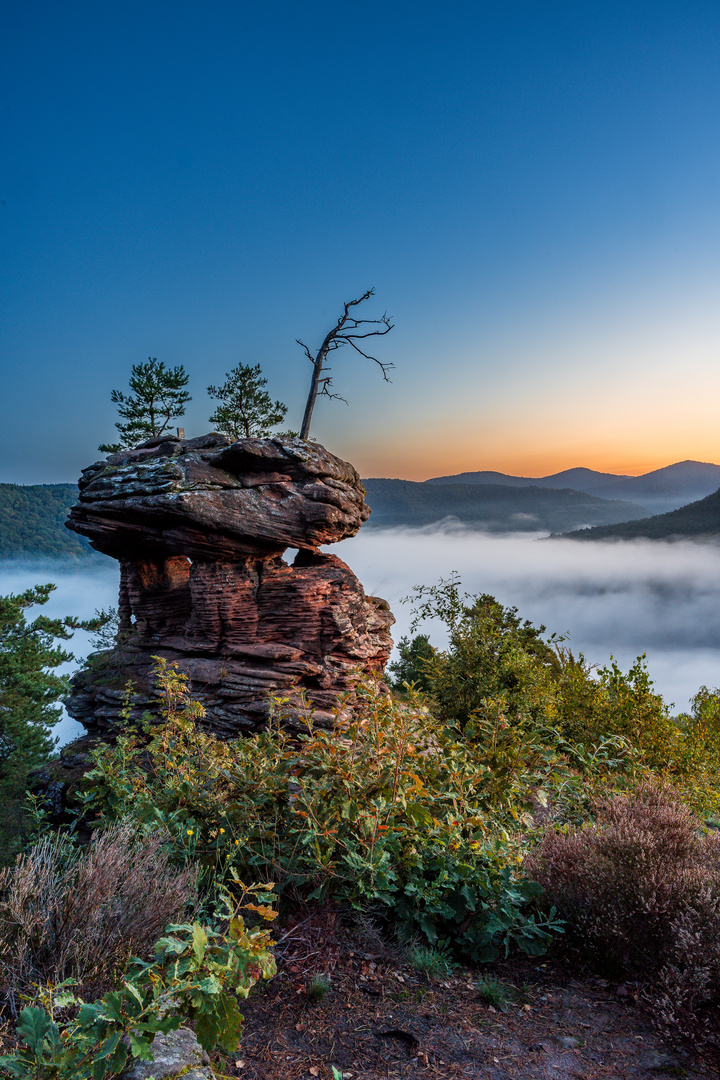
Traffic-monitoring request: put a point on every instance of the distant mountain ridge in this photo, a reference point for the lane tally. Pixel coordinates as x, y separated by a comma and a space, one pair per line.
490, 507
699, 519
656, 492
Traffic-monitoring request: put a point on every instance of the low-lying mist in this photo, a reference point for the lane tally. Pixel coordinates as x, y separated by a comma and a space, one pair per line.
620, 598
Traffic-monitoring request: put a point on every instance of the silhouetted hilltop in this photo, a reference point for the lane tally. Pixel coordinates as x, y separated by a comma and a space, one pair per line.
490, 507
656, 492
699, 519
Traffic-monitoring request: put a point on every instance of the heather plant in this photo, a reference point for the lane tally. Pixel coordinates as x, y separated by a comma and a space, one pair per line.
196, 974
390, 811
639, 891
68, 912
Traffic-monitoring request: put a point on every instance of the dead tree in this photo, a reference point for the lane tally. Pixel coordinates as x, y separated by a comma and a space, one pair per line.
348, 331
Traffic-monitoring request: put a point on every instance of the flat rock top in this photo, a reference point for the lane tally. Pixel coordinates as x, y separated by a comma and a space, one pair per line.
240, 496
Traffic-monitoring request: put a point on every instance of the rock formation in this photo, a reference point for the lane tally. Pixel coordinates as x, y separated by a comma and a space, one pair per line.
199, 527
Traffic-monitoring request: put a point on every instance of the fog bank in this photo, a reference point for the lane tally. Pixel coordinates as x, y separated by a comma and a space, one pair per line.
620, 598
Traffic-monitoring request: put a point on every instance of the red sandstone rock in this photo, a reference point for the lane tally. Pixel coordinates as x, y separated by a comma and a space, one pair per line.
199, 526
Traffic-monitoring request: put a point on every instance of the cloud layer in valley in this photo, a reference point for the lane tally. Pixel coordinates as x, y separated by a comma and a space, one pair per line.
619, 598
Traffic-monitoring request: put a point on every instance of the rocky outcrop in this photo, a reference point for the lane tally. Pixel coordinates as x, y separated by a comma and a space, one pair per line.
200, 527
175, 1054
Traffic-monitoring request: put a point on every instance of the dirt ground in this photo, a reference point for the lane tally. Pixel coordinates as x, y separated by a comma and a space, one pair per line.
381, 1018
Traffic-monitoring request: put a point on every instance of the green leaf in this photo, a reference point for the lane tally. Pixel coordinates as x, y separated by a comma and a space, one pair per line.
232, 1023
33, 1026
141, 1047
208, 1027
199, 942
14, 1065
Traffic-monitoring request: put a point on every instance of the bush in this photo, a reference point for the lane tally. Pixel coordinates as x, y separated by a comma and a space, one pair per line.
496, 664
72, 913
389, 811
639, 891
196, 974
492, 658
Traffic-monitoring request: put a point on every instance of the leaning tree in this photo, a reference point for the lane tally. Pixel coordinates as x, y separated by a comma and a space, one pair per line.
349, 330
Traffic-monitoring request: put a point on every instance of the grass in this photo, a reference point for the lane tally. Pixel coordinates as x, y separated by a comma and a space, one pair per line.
436, 963
318, 989
495, 993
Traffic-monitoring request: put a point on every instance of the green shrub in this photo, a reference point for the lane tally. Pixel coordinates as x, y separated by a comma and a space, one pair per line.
493, 659
410, 667
197, 974
496, 665
390, 811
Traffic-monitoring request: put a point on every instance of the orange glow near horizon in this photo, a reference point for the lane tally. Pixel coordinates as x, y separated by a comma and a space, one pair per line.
414, 463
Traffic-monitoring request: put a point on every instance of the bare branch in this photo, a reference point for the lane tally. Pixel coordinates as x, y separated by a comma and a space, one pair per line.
348, 329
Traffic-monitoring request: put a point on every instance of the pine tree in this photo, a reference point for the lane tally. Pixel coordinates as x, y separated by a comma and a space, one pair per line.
30, 691
158, 397
246, 410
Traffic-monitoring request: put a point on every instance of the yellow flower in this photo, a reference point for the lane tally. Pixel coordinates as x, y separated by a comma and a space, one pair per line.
189, 832
236, 843
222, 830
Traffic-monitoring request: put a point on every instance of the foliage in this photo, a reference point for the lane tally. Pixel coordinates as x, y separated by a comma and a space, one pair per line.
29, 690
389, 811
72, 912
409, 668
639, 890
32, 523
433, 962
493, 659
157, 397
246, 410
496, 665
197, 974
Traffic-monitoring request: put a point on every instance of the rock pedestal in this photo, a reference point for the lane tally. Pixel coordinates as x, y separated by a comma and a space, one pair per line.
199, 527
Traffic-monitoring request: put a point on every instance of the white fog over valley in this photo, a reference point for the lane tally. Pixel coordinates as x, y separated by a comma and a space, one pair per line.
621, 598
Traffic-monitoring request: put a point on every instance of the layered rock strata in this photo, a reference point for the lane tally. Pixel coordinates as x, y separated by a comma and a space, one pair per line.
199, 527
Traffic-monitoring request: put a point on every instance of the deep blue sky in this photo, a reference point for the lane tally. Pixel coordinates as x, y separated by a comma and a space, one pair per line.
532, 188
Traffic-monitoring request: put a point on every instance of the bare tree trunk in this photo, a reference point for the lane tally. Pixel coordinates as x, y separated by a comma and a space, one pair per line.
347, 331
318, 363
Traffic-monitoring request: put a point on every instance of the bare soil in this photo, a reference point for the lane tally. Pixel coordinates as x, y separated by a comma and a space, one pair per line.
381, 1018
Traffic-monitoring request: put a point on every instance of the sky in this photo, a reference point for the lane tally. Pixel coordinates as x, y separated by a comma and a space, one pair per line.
532, 188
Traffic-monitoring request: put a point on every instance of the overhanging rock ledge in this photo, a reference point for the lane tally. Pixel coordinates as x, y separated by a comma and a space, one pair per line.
199, 527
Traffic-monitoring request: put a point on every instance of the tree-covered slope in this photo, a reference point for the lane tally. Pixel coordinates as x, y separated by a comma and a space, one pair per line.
656, 492
32, 523
490, 507
699, 519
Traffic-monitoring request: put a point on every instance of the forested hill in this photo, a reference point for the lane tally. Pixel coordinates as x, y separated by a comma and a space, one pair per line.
489, 507
32, 523
699, 519
657, 492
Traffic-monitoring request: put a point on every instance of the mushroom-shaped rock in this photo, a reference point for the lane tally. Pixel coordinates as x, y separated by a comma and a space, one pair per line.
199, 527
210, 498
